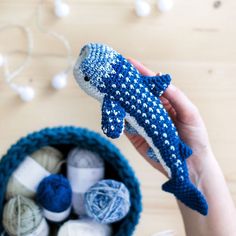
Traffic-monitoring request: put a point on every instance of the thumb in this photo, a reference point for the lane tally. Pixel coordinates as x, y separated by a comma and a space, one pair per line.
186, 111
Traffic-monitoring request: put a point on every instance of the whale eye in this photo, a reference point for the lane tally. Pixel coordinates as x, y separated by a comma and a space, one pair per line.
86, 78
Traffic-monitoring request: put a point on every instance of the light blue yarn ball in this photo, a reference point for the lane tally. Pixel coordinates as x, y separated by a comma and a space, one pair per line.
108, 201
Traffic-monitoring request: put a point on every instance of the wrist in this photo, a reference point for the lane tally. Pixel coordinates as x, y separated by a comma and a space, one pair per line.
201, 164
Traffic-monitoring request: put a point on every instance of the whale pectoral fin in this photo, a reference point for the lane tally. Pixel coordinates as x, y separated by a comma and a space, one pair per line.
185, 150
112, 118
157, 84
187, 193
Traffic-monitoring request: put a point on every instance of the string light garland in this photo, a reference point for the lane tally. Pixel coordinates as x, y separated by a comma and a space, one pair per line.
59, 81
26, 93
142, 8
61, 9
165, 5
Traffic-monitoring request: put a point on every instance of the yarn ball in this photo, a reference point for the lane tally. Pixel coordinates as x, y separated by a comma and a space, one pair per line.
21, 216
84, 227
84, 169
82, 158
108, 201
54, 194
48, 158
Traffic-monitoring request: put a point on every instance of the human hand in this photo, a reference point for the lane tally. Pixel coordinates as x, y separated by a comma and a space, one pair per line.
203, 168
188, 122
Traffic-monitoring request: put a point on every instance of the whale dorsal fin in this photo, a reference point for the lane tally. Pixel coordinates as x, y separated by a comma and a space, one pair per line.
185, 150
112, 117
157, 84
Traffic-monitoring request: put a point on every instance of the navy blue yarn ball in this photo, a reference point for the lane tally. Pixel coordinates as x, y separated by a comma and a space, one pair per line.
54, 193
108, 201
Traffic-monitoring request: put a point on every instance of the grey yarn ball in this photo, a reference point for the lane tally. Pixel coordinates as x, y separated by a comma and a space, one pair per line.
21, 216
108, 201
84, 169
47, 157
82, 158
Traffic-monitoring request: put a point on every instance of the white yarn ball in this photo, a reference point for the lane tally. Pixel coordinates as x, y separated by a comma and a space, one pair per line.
165, 5
142, 8
26, 93
84, 227
59, 81
165, 233
2, 60
61, 9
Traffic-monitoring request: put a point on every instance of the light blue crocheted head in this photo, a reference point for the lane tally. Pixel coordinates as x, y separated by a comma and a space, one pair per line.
94, 68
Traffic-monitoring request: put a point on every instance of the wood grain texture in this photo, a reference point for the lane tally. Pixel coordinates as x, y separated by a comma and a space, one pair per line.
195, 42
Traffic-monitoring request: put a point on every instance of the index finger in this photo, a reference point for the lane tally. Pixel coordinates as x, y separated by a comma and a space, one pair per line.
141, 68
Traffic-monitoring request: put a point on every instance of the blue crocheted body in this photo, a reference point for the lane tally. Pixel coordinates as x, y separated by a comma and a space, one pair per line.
125, 94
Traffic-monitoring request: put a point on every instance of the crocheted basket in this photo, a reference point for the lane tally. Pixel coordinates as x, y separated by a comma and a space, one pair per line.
65, 138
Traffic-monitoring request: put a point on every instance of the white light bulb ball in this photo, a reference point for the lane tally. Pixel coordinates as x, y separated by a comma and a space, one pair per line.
59, 81
26, 93
62, 9
142, 8
2, 60
165, 5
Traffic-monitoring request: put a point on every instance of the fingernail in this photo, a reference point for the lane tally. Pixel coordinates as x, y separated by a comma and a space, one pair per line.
129, 129
152, 155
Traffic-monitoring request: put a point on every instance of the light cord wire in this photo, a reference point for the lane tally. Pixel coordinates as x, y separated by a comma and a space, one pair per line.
56, 35
10, 75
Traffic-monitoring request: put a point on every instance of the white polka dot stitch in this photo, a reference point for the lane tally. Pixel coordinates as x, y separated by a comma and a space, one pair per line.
126, 94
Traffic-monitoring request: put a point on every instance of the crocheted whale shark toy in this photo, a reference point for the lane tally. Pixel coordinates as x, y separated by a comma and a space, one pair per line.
125, 94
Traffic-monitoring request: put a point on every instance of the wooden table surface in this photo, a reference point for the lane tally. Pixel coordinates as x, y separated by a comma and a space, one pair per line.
195, 42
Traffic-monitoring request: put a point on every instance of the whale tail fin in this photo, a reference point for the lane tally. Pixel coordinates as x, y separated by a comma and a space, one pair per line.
187, 193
